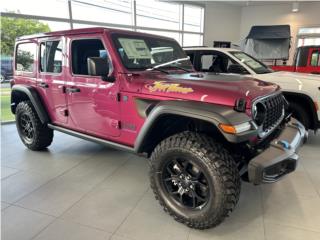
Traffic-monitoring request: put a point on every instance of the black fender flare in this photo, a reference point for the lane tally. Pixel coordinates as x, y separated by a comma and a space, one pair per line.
33, 96
214, 114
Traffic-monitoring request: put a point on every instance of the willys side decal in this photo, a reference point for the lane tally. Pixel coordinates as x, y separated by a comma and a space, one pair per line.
162, 86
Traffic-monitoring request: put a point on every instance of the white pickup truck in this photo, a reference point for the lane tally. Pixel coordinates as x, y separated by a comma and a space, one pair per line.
301, 90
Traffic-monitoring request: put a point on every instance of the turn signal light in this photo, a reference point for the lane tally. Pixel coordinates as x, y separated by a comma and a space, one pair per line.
233, 129
228, 128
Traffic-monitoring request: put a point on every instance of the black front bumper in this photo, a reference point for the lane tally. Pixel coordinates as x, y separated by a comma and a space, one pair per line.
281, 157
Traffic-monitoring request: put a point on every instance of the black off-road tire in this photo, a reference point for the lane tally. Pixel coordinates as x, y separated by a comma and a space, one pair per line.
216, 162
42, 135
300, 113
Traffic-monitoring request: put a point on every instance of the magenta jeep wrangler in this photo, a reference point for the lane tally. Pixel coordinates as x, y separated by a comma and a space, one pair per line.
139, 93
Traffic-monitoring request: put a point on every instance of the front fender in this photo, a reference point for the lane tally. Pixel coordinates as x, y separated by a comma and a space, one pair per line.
214, 114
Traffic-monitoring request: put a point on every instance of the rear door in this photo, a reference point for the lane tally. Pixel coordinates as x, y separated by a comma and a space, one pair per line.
50, 80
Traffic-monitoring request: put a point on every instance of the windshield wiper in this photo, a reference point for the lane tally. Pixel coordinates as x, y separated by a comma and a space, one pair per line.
157, 67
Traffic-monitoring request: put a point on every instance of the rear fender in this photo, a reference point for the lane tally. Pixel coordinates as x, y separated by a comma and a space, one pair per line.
23, 93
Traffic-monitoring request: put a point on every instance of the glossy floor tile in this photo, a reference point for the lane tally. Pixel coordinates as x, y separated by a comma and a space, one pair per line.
80, 190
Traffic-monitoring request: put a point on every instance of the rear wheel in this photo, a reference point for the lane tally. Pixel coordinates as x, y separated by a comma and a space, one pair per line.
300, 113
195, 179
34, 135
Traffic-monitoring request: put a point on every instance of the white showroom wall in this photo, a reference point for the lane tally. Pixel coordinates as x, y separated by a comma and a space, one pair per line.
222, 23
308, 16
227, 22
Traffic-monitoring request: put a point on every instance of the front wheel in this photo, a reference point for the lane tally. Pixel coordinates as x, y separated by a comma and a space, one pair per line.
34, 135
195, 179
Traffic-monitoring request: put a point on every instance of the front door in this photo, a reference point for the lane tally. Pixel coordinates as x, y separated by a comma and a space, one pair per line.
93, 105
50, 81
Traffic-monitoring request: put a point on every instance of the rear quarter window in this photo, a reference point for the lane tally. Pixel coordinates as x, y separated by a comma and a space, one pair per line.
25, 57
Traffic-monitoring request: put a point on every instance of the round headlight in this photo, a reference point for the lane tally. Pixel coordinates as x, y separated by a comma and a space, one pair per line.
259, 113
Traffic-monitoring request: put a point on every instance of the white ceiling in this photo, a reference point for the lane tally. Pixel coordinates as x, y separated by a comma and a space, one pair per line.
241, 3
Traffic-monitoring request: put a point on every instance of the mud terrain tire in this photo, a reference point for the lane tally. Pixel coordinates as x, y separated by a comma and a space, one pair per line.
219, 172
34, 135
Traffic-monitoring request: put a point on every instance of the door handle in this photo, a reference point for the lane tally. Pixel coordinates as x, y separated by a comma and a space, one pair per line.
43, 85
72, 90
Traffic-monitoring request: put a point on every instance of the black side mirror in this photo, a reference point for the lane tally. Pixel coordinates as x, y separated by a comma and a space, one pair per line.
237, 69
98, 66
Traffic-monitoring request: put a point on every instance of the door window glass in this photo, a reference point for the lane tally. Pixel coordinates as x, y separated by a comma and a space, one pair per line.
83, 49
216, 63
315, 58
51, 57
26, 53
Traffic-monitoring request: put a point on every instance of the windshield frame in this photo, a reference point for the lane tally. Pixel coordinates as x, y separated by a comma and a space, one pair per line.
269, 70
115, 41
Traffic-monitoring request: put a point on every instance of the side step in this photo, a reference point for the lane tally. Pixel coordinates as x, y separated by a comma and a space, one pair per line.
92, 138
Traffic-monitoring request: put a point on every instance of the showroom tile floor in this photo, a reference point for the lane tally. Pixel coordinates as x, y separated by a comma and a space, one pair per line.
80, 190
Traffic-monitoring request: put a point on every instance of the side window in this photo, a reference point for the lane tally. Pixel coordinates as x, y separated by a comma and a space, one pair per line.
25, 57
218, 63
207, 61
83, 49
315, 57
51, 56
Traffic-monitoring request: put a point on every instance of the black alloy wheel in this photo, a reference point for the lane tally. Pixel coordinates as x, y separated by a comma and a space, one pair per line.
26, 128
186, 183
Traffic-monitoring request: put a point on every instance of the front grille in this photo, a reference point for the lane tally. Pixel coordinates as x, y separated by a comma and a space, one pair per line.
274, 106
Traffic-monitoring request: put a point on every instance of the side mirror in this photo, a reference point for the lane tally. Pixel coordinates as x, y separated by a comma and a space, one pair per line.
237, 69
98, 66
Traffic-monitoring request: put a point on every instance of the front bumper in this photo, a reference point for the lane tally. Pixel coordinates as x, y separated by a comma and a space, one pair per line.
281, 157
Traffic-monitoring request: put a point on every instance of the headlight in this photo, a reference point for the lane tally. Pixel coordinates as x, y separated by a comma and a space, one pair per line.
259, 112
233, 129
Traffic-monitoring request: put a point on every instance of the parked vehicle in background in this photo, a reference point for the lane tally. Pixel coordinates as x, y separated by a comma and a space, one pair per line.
6, 68
301, 90
306, 60
139, 93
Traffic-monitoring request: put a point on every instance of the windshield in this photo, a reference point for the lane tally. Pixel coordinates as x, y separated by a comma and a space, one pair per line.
144, 52
255, 65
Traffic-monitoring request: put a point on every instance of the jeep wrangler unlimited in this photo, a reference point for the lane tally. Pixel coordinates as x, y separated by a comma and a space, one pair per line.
138, 92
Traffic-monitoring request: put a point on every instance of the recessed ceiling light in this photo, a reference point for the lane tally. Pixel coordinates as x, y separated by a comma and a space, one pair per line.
295, 7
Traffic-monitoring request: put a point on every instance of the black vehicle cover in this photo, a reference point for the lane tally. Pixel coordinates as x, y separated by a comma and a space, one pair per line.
268, 42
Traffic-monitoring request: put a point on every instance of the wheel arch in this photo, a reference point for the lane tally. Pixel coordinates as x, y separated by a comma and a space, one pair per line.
171, 117
307, 103
21, 93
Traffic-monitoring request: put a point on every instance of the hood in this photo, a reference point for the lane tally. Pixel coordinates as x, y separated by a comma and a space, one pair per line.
211, 88
293, 81
295, 75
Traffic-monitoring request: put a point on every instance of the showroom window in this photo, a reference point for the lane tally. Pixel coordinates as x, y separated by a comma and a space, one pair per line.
155, 14
315, 58
180, 21
26, 53
51, 57
308, 36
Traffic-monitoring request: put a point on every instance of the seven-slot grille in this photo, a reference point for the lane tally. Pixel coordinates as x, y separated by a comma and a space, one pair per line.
274, 111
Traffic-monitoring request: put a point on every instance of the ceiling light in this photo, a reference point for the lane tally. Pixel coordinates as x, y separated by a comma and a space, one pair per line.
295, 7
